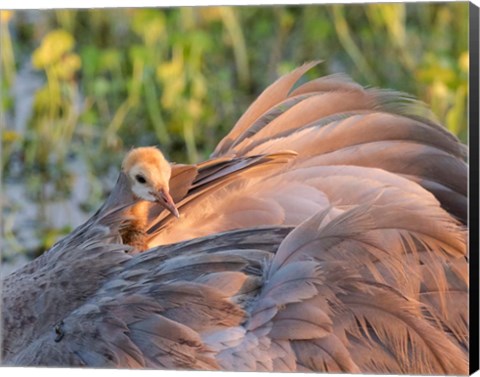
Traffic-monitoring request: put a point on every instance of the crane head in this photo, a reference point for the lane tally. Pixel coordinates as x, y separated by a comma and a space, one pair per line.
149, 174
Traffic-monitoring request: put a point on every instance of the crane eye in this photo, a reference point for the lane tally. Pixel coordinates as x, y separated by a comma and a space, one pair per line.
140, 179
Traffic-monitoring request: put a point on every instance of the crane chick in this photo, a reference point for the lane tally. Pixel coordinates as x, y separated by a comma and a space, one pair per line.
149, 174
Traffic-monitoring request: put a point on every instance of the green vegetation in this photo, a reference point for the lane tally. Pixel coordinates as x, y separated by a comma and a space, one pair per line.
181, 77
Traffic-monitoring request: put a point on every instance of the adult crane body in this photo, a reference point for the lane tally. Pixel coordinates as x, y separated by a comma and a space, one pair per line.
326, 233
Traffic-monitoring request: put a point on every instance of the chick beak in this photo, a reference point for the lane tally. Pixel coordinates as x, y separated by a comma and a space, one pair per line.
166, 201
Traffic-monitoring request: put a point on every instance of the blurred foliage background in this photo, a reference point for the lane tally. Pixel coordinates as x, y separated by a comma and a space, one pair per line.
80, 87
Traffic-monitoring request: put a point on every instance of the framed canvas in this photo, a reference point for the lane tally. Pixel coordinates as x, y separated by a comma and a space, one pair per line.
254, 188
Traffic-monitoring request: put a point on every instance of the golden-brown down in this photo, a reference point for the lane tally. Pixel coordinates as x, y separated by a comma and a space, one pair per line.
149, 175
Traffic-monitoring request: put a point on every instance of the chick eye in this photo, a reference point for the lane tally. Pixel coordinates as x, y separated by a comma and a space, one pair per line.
140, 179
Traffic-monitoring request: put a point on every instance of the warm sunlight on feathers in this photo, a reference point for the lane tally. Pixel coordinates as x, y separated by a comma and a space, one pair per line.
327, 233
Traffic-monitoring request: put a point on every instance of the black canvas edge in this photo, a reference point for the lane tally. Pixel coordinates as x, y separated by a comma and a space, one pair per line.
473, 186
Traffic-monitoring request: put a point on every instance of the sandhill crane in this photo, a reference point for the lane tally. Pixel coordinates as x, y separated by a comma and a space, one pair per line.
326, 233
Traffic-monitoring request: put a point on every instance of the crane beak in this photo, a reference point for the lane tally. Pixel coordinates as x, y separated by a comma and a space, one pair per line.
166, 201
